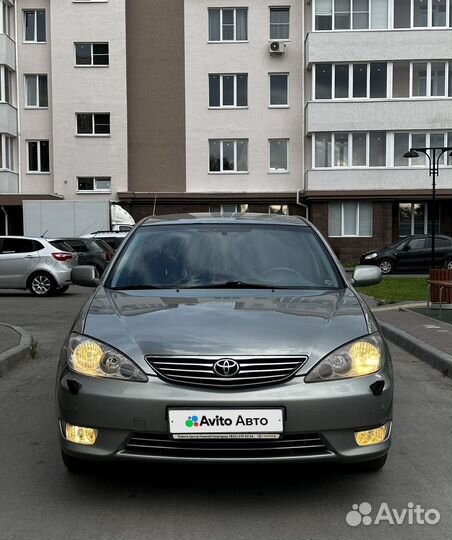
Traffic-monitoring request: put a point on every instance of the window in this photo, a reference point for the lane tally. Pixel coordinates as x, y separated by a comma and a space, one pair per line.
323, 81
6, 85
279, 89
93, 123
404, 141
228, 24
35, 26
6, 11
228, 156
332, 81
401, 79
419, 87
94, 183
92, 54
350, 149
413, 219
36, 94
7, 152
350, 14
322, 150
279, 23
278, 155
228, 90
421, 13
279, 209
350, 219
428, 79
18, 245
38, 156
223, 209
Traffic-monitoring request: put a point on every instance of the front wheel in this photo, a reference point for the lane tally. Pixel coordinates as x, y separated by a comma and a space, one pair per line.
386, 266
449, 264
42, 284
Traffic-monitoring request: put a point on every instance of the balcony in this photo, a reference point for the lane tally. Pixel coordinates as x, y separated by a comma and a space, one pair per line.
9, 182
361, 179
7, 52
378, 115
377, 45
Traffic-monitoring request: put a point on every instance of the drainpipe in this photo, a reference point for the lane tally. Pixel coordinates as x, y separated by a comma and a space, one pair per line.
305, 206
19, 131
2, 208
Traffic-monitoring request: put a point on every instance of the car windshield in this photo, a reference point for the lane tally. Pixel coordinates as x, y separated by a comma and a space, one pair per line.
224, 255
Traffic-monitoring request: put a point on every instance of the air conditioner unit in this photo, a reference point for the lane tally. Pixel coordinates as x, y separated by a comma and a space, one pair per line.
277, 47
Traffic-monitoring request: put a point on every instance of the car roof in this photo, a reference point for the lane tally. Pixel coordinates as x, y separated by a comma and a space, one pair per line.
207, 217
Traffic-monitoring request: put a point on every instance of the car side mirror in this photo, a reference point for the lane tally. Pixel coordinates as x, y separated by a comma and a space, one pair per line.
365, 275
84, 276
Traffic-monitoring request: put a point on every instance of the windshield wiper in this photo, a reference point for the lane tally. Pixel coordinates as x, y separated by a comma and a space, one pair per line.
233, 285
135, 287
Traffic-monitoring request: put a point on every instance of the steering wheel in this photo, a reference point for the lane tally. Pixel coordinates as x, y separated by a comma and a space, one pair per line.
283, 269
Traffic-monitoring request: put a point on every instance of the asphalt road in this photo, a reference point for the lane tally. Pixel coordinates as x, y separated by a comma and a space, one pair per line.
40, 500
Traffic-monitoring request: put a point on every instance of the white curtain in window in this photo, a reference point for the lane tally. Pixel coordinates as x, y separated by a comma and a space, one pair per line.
365, 219
242, 155
323, 7
334, 219
242, 24
214, 25
350, 219
379, 13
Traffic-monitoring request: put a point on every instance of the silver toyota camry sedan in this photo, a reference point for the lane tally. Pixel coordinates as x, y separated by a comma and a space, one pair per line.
225, 339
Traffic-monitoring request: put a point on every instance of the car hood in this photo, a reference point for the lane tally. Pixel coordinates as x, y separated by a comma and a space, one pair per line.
226, 323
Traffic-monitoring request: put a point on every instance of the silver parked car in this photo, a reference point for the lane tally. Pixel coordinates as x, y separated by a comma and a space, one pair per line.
35, 264
231, 339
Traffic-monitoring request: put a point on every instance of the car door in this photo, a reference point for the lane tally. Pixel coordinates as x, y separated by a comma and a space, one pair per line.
443, 250
17, 259
414, 257
80, 247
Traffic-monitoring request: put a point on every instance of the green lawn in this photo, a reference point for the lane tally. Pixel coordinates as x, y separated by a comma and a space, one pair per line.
401, 289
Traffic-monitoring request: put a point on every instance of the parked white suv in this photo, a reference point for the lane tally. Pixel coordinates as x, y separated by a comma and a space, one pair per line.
35, 264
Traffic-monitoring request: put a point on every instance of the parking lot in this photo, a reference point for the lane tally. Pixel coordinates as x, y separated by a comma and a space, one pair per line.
39, 499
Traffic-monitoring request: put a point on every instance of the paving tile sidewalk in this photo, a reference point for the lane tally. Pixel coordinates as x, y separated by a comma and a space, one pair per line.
427, 338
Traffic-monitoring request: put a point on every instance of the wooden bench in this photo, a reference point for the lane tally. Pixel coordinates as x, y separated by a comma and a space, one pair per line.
440, 287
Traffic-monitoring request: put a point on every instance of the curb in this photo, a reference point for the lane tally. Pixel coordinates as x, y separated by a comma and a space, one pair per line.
21, 352
435, 358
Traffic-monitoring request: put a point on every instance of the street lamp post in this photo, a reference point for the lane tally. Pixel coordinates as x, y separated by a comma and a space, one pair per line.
433, 154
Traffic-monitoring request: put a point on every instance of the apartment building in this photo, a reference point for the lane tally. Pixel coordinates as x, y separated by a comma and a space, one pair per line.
63, 109
378, 81
325, 124
217, 123
286, 106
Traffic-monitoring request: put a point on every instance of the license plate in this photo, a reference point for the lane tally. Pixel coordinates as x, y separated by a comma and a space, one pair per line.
225, 423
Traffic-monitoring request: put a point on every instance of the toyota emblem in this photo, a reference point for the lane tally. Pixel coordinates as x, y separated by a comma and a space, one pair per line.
226, 367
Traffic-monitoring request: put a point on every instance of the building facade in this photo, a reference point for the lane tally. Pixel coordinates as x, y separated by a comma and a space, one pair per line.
64, 127
287, 106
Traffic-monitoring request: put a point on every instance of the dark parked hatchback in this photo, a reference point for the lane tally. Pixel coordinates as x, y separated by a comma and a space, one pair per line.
411, 254
95, 253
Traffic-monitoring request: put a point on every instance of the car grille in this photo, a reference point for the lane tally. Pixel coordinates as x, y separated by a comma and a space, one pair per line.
252, 371
289, 445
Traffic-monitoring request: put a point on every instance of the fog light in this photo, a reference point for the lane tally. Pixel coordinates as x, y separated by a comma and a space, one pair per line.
372, 436
80, 435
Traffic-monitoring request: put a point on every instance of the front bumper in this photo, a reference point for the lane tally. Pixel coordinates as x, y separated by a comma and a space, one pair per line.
328, 411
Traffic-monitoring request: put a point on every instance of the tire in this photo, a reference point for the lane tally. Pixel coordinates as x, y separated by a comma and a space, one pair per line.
373, 465
42, 284
386, 266
448, 264
75, 465
61, 290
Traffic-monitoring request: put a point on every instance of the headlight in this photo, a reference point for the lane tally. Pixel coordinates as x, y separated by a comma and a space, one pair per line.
361, 357
371, 256
90, 357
